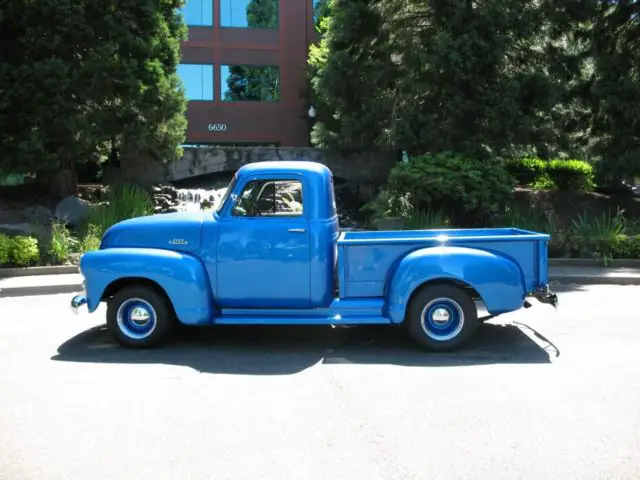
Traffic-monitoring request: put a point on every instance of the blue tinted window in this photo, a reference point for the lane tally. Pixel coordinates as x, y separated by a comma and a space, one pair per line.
249, 13
198, 12
197, 81
242, 83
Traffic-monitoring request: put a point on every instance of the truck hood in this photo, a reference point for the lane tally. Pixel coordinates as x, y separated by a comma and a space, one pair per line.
169, 231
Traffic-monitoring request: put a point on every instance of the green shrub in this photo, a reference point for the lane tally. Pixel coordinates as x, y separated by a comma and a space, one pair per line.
605, 226
543, 182
574, 175
5, 249
624, 246
526, 171
601, 236
62, 243
609, 248
536, 221
469, 191
426, 219
387, 205
90, 239
123, 201
24, 251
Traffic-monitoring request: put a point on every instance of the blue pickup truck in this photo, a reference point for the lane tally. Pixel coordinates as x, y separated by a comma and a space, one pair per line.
273, 253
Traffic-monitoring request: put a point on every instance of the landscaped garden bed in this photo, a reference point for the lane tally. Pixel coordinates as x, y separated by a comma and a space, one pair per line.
443, 191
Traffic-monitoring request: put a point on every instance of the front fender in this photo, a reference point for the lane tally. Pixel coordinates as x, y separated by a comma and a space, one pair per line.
182, 276
498, 280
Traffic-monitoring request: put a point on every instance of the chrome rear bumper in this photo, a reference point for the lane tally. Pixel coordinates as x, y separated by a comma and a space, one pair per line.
544, 295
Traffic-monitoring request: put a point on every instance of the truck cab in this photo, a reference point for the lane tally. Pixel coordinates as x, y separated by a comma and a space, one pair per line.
274, 238
272, 252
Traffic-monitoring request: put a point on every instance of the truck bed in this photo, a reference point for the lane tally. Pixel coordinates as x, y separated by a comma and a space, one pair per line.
366, 257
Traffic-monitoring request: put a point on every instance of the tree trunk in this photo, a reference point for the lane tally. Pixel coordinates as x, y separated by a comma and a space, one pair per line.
64, 182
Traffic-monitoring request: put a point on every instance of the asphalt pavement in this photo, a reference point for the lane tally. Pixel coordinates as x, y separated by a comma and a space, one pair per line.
538, 395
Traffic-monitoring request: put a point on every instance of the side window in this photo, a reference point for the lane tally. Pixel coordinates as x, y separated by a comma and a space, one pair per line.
270, 198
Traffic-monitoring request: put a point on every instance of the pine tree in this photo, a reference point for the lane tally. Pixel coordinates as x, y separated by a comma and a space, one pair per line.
614, 87
352, 77
78, 76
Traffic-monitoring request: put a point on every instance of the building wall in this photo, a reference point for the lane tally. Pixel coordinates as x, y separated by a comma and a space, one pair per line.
282, 122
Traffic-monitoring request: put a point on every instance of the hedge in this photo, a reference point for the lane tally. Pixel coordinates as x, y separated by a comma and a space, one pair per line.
576, 175
468, 190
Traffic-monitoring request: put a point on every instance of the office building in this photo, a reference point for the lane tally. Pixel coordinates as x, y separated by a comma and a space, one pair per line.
243, 70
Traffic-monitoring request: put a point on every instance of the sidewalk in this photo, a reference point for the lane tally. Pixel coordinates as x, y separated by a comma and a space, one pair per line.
40, 285
72, 283
595, 275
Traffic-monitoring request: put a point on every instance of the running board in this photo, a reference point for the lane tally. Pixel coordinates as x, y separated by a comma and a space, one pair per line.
268, 319
361, 311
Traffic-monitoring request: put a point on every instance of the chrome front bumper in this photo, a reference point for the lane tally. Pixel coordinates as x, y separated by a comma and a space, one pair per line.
77, 302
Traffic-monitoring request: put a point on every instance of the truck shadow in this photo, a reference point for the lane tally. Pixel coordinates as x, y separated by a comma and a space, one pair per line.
288, 350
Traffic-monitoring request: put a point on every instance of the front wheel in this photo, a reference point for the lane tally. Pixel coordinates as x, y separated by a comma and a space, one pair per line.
139, 317
442, 317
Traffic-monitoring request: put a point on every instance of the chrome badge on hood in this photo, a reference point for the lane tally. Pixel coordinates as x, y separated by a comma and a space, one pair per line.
178, 241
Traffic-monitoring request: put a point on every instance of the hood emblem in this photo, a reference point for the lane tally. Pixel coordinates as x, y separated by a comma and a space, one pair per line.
178, 241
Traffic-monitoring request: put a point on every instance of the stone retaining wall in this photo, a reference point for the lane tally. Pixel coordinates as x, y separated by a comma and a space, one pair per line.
362, 168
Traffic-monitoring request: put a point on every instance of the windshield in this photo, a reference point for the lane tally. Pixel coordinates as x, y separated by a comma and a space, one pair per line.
227, 193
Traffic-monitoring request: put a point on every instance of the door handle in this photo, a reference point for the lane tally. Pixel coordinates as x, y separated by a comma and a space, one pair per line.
297, 230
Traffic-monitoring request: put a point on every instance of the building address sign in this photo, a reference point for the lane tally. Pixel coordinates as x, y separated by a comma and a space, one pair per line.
217, 127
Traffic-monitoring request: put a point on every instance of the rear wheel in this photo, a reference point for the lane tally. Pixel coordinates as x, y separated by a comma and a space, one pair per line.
442, 317
139, 317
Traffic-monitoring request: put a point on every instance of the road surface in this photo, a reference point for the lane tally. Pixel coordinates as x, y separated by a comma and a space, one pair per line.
315, 403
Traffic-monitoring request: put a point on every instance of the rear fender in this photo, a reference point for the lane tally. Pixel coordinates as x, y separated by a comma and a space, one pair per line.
498, 280
182, 277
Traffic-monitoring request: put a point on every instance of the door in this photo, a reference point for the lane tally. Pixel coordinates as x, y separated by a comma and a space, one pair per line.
263, 250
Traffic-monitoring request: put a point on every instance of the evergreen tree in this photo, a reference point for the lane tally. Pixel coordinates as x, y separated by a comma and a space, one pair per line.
352, 77
77, 77
614, 87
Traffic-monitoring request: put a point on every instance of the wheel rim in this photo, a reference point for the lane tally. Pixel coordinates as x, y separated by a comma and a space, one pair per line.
442, 319
136, 318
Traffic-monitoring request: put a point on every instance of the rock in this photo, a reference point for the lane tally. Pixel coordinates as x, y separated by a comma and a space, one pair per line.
72, 210
169, 190
164, 198
390, 223
37, 214
19, 229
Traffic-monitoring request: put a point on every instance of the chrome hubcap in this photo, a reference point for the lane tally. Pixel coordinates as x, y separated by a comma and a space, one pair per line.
442, 319
440, 315
136, 318
140, 316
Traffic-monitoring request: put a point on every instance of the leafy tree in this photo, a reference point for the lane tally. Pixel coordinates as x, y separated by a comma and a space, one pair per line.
78, 77
321, 15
